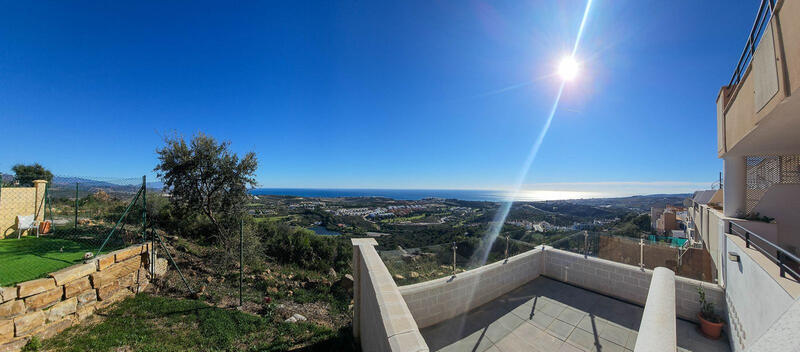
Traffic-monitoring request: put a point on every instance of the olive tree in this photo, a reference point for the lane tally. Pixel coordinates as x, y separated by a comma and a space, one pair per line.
203, 176
26, 174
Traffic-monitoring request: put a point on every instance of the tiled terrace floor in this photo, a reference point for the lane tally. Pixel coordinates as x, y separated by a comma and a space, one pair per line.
547, 315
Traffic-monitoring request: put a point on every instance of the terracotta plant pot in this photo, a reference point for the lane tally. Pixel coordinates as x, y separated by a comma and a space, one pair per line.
44, 227
709, 329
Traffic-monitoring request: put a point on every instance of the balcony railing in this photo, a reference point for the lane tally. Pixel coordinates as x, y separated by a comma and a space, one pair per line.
786, 261
765, 10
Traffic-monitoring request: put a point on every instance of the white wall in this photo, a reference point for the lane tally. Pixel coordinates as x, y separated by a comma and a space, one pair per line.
783, 335
781, 202
437, 300
626, 282
382, 321
754, 299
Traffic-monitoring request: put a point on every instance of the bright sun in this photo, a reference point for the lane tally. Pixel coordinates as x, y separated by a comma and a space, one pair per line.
568, 68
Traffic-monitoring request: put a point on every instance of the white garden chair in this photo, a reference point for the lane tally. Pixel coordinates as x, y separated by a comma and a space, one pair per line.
27, 222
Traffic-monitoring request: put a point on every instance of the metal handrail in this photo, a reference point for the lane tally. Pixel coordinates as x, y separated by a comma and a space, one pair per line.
765, 11
781, 254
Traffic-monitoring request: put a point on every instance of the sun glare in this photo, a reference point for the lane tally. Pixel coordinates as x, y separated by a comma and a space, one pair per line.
568, 68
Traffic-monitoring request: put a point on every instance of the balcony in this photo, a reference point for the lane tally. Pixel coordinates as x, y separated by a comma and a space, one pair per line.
543, 299
756, 111
549, 315
759, 277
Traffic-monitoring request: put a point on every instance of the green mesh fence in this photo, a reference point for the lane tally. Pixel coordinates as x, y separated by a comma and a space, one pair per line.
46, 226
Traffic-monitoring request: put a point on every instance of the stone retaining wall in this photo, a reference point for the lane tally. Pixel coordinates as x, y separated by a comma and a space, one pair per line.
45, 307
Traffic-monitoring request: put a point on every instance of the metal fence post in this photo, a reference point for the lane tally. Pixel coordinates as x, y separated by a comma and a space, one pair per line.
454, 258
585, 243
641, 252
76, 206
144, 207
506, 248
241, 258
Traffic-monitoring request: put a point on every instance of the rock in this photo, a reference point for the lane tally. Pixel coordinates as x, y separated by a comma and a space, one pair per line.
414, 274
101, 196
44, 299
161, 267
295, 318
73, 273
7, 294
29, 288
346, 282
332, 272
26, 323
399, 277
11, 309
77, 287
6, 330
62, 309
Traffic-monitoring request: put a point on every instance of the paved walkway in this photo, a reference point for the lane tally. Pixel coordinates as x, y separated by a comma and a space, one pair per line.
547, 315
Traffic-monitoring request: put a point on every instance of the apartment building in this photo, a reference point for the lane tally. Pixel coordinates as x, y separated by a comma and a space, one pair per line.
561, 298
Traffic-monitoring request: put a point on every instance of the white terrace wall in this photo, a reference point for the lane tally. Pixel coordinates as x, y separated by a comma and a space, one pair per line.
626, 282
20, 201
381, 321
756, 295
45, 307
437, 300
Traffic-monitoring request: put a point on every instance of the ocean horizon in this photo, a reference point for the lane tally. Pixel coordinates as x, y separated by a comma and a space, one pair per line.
417, 194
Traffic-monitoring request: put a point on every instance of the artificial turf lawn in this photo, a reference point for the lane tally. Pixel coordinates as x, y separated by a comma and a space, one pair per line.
31, 258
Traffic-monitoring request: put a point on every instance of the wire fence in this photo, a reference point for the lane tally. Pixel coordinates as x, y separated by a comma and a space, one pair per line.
57, 221
412, 265
648, 252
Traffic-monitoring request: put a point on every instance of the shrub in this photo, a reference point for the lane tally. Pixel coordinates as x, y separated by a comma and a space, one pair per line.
304, 248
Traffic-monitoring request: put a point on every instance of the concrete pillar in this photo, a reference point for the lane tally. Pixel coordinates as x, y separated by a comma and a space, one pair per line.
38, 210
658, 331
734, 184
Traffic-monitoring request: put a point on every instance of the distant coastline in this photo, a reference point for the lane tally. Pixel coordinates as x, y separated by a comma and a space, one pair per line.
400, 194
411, 194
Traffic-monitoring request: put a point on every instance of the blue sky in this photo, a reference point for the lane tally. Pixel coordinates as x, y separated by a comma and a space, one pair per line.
403, 94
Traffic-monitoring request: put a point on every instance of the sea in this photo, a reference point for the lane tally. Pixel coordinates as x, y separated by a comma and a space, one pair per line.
417, 194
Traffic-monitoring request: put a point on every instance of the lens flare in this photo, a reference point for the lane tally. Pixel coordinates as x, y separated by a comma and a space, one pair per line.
568, 68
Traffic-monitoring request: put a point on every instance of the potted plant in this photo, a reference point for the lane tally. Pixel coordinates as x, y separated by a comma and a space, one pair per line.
710, 323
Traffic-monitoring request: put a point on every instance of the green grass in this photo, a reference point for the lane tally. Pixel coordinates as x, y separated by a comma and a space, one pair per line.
31, 258
151, 323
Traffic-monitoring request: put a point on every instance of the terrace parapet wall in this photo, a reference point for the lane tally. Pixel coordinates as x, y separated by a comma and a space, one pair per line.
381, 320
626, 282
437, 300
45, 307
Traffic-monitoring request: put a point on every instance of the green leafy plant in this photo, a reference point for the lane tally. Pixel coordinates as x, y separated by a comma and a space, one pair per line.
758, 217
707, 308
34, 344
